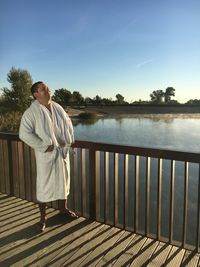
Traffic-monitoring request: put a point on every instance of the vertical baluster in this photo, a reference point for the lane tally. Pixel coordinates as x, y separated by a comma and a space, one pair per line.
15, 168
159, 197
198, 216
126, 196
2, 177
97, 175
83, 183
92, 163
33, 174
185, 204
10, 160
6, 166
20, 149
136, 193
116, 188
171, 220
147, 195
27, 172
106, 186
75, 177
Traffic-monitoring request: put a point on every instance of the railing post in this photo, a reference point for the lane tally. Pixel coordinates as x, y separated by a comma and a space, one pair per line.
92, 168
198, 215
10, 159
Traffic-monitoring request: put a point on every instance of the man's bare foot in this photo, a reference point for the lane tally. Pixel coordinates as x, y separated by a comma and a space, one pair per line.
69, 213
41, 226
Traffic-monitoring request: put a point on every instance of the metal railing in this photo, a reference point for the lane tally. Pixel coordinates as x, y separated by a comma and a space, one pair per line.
153, 192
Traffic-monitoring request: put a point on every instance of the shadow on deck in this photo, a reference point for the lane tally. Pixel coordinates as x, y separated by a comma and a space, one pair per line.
80, 242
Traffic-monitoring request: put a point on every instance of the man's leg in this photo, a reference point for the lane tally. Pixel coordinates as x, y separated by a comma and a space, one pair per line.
42, 224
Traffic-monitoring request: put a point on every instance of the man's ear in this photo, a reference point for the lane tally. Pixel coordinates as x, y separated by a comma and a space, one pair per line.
35, 94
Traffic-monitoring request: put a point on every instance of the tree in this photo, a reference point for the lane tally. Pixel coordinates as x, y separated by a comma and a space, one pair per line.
97, 100
120, 99
157, 96
18, 96
62, 96
77, 98
169, 92
193, 102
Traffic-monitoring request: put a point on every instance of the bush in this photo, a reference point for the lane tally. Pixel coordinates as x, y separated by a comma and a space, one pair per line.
10, 121
87, 115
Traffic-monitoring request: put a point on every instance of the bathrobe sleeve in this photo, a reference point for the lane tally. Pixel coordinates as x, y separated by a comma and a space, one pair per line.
28, 135
70, 127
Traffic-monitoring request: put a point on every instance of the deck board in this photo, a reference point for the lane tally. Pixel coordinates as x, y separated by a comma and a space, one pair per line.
78, 242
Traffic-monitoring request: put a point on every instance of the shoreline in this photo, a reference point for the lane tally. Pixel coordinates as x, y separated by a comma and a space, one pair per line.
138, 112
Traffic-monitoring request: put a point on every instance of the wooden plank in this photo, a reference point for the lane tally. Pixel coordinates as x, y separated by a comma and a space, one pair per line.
171, 213
27, 172
160, 255
33, 175
6, 166
142, 258
96, 250
126, 195
97, 183
20, 155
10, 162
79, 248
75, 178
198, 215
106, 187
159, 198
7, 203
147, 195
15, 167
78, 243
92, 166
141, 151
185, 204
130, 251
46, 247
21, 251
191, 259
84, 183
175, 257
136, 193
7, 220
2, 174
116, 189
116, 250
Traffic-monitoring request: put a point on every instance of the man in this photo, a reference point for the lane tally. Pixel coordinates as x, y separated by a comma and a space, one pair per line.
47, 128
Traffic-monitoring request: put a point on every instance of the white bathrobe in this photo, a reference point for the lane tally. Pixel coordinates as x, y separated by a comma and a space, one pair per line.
40, 128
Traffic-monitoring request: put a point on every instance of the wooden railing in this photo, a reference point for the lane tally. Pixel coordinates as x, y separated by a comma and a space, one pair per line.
153, 192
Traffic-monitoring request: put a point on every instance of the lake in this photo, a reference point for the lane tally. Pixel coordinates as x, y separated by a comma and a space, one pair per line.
167, 132
158, 132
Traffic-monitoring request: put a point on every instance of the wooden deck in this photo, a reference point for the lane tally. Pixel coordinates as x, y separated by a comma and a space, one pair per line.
79, 242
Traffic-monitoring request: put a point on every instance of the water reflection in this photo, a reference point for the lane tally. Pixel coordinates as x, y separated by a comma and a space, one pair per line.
156, 132
84, 121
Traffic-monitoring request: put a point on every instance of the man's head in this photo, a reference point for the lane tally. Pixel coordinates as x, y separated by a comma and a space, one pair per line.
40, 91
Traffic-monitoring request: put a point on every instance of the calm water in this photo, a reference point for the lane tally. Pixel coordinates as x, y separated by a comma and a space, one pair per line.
171, 133
168, 133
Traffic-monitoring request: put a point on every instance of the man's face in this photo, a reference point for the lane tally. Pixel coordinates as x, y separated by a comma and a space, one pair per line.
43, 92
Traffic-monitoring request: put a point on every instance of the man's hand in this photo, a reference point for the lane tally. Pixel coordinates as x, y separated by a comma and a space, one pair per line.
50, 148
62, 144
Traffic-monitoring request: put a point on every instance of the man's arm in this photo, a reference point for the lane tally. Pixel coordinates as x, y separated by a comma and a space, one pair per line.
27, 134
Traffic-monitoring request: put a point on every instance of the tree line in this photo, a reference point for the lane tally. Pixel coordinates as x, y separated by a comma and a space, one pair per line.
18, 96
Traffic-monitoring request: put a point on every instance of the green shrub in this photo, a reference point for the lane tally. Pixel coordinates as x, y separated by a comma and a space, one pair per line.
87, 115
10, 121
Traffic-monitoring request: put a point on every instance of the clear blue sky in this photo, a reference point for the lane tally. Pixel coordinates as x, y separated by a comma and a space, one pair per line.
104, 47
